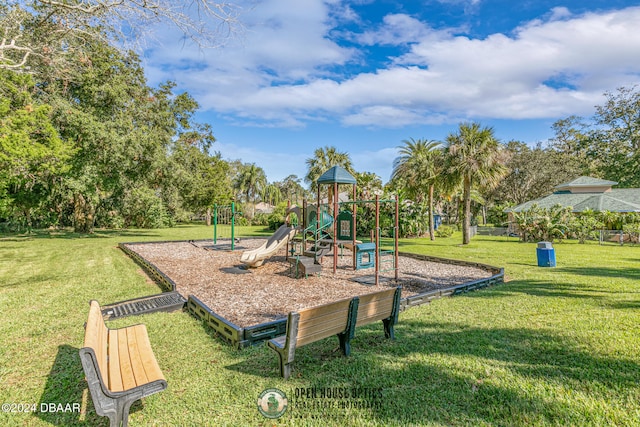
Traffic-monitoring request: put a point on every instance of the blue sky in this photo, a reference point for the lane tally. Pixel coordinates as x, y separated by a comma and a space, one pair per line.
364, 75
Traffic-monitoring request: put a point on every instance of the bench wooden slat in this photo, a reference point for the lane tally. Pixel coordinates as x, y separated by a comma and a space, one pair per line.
131, 359
322, 321
115, 374
126, 371
95, 336
149, 362
139, 375
315, 331
375, 306
311, 325
325, 309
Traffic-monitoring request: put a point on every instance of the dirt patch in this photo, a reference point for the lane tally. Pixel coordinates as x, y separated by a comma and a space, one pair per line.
270, 292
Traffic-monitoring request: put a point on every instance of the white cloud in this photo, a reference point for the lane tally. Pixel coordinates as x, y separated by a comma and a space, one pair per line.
470, 6
396, 29
558, 13
285, 40
284, 74
389, 115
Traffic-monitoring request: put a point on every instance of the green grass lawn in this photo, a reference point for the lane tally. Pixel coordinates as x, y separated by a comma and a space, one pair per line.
552, 346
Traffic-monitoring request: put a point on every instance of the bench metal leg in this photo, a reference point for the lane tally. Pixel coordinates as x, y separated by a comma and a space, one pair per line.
119, 413
345, 343
393, 319
115, 418
345, 337
388, 328
285, 370
124, 415
117, 410
285, 365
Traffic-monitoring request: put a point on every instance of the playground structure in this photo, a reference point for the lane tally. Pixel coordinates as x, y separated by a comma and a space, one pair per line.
327, 229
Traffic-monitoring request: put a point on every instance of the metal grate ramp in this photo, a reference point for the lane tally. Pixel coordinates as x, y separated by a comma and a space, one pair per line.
168, 301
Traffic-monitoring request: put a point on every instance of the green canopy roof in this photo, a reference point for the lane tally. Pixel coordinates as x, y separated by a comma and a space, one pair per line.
338, 175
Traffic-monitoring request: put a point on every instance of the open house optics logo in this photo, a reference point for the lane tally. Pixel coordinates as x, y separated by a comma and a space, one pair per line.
272, 403
319, 402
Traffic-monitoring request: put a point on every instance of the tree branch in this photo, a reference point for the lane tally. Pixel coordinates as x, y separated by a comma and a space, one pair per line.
36, 29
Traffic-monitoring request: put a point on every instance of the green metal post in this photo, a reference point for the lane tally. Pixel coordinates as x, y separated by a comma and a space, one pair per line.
377, 256
215, 224
233, 220
396, 233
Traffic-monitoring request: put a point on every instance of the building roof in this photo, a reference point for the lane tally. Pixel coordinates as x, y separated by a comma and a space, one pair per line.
264, 207
338, 175
615, 200
586, 181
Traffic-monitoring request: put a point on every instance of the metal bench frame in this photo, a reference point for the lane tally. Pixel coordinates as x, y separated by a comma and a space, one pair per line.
107, 403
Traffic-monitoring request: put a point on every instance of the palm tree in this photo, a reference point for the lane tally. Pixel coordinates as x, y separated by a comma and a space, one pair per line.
271, 194
290, 188
368, 183
474, 159
324, 159
250, 181
418, 167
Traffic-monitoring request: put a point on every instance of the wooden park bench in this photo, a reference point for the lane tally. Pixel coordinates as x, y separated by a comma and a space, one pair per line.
119, 365
337, 318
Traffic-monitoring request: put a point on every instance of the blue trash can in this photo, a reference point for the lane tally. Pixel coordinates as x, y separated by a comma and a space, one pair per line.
437, 220
546, 254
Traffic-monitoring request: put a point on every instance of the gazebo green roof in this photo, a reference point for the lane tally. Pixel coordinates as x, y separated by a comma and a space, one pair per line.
338, 175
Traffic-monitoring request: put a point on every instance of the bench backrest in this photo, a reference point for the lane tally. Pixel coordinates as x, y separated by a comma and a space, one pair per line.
377, 306
96, 337
323, 321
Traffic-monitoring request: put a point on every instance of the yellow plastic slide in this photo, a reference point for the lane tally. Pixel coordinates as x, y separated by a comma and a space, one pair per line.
255, 257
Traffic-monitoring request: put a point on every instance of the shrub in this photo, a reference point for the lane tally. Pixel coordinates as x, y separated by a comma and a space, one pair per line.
260, 219
633, 230
444, 231
241, 221
496, 214
144, 209
538, 223
413, 218
276, 219
585, 226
